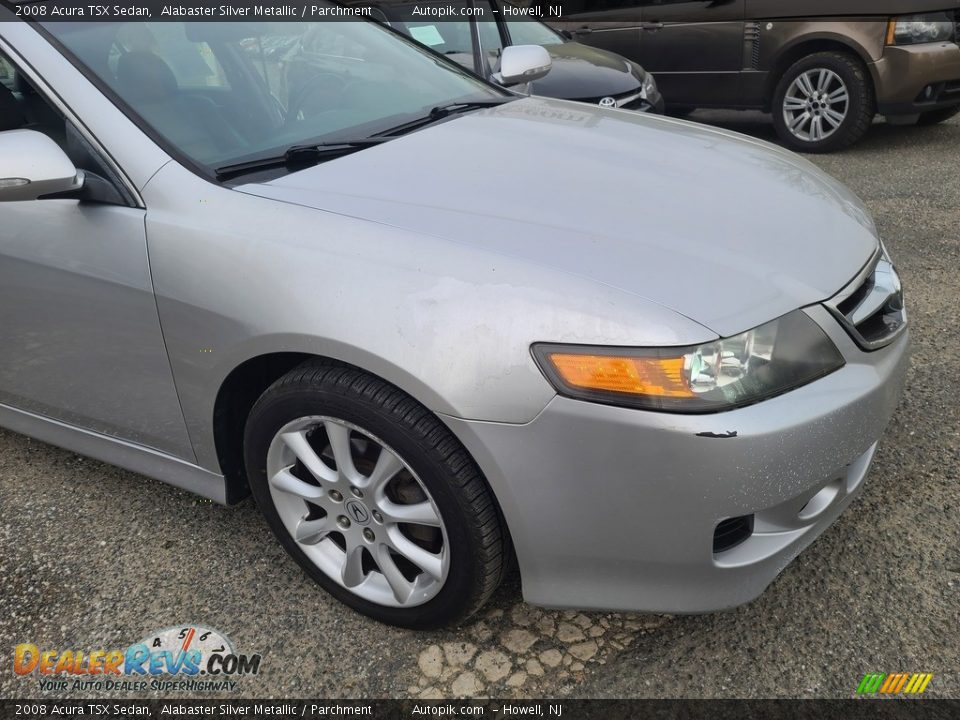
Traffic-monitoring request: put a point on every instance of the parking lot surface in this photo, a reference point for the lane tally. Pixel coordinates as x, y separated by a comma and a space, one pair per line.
95, 557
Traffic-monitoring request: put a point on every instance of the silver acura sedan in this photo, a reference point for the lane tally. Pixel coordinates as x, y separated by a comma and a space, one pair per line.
434, 327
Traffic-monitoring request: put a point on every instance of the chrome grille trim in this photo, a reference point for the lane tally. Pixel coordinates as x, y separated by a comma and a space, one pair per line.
871, 307
627, 99
623, 100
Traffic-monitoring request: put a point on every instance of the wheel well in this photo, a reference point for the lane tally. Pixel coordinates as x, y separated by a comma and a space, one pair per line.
800, 51
236, 398
237, 395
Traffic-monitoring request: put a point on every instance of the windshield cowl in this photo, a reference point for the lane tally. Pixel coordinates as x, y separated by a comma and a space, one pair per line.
298, 157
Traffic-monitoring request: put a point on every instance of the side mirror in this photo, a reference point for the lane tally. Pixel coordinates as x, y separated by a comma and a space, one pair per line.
523, 64
33, 167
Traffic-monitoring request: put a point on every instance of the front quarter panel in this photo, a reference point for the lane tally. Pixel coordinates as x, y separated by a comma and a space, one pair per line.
239, 276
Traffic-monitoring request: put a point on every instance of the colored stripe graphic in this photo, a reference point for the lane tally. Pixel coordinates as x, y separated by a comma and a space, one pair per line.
894, 683
871, 683
918, 683
189, 639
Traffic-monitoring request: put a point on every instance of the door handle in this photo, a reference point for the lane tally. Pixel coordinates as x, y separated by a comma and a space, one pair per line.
651, 26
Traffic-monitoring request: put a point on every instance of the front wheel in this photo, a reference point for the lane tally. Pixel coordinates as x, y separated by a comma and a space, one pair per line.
824, 103
374, 497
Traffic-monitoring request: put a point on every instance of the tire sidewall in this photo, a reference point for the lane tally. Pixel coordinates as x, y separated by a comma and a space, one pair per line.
277, 409
861, 101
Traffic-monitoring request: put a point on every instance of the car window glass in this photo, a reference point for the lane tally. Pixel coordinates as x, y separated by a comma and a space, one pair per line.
193, 64
531, 32
218, 93
6, 73
452, 38
32, 111
490, 39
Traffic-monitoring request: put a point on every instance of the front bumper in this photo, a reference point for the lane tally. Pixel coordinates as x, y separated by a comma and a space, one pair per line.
903, 75
616, 509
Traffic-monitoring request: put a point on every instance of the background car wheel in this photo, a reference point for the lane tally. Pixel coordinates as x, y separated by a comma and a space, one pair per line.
824, 103
374, 497
935, 117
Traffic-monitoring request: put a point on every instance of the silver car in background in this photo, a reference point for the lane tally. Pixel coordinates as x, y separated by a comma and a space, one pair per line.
435, 328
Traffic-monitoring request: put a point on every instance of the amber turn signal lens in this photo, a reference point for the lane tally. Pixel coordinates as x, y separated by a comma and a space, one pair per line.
658, 377
892, 32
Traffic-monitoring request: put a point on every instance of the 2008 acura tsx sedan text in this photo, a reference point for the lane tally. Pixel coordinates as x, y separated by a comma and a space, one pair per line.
435, 327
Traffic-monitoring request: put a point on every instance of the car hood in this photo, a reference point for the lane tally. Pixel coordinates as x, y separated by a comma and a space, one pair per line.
581, 72
729, 231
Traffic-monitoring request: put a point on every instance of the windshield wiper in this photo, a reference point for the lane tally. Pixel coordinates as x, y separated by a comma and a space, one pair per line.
439, 113
302, 156
299, 156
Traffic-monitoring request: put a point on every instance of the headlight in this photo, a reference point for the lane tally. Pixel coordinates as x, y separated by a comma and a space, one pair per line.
758, 364
916, 29
649, 88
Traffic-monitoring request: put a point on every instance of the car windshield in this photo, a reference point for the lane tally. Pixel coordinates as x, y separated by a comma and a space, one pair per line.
226, 93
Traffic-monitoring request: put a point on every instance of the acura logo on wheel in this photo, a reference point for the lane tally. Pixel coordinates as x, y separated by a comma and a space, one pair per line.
358, 512
608, 102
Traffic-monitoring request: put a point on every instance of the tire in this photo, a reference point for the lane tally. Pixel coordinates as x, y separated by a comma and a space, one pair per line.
831, 76
935, 117
318, 407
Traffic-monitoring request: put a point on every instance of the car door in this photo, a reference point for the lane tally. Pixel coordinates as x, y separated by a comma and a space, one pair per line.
694, 49
612, 25
80, 336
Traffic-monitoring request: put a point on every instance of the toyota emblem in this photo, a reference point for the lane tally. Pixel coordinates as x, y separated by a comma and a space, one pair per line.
608, 102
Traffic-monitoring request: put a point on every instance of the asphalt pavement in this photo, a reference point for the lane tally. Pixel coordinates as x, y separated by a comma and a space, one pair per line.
95, 557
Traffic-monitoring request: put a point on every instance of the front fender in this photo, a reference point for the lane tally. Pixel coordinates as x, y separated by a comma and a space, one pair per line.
239, 276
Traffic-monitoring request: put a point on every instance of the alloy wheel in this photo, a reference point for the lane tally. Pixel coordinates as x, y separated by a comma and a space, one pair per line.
816, 104
358, 511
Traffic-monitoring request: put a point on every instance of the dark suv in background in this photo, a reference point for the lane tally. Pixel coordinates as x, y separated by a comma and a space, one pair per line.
824, 68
